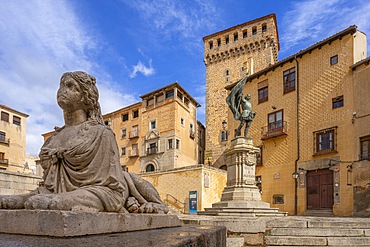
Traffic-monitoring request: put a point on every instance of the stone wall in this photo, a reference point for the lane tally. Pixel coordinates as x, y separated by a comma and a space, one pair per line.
361, 189
12, 183
175, 184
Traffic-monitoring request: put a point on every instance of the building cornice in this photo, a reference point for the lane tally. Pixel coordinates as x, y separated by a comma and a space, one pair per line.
169, 87
13, 111
248, 23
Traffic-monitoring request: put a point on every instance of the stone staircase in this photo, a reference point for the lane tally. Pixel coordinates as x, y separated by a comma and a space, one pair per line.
317, 231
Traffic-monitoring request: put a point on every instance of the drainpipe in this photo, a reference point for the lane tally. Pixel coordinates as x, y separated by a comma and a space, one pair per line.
298, 141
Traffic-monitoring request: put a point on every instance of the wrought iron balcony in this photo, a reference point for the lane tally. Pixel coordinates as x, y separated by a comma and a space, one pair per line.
274, 130
134, 134
5, 141
4, 161
192, 134
133, 153
152, 150
364, 157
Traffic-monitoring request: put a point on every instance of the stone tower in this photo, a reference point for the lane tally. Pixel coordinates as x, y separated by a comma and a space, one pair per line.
228, 55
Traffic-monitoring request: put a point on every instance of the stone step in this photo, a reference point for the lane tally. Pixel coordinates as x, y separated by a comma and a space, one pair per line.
316, 241
298, 241
319, 213
316, 232
354, 223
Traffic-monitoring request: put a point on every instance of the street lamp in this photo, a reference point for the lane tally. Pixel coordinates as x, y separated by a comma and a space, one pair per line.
295, 175
224, 124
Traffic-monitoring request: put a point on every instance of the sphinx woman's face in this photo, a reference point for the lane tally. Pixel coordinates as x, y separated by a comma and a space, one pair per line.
69, 95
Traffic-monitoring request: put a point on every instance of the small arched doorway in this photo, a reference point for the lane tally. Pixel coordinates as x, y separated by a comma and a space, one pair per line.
150, 168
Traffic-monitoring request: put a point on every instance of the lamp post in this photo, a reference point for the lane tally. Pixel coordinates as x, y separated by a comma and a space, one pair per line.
295, 176
224, 124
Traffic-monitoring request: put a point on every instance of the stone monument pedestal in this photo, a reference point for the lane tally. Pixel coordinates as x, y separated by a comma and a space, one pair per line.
241, 196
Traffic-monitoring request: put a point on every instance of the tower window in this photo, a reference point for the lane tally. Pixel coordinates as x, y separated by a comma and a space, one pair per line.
245, 34
218, 42
254, 30
210, 45
227, 39
264, 28
235, 36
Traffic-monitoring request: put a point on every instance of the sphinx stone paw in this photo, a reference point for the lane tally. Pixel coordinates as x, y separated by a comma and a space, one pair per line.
53, 202
11, 202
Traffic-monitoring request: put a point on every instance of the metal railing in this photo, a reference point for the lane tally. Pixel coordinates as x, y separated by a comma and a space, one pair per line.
5, 141
175, 203
133, 153
152, 150
134, 134
274, 130
364, 157
4, 161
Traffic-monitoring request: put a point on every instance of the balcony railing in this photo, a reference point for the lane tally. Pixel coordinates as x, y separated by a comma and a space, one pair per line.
5, 141
133, 153
134, 134
364, 157
274, 131
4, 161
152, 150
192, 134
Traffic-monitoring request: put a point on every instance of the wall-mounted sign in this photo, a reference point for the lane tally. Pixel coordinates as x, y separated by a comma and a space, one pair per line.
193, 201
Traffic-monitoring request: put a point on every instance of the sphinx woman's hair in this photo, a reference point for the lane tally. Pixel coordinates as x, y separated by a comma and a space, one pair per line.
90, 93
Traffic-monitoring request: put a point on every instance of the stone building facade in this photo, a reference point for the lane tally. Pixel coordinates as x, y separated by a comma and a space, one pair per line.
228, 55
360, 171
160, 133
306, 125
312, 122
12, 139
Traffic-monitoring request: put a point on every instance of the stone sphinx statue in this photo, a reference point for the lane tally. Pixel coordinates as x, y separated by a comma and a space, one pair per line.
81, 162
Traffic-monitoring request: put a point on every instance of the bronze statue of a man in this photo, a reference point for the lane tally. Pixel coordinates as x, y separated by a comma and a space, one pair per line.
236, 101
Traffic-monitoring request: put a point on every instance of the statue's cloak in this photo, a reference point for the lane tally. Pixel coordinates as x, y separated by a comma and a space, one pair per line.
87, 158
235, 97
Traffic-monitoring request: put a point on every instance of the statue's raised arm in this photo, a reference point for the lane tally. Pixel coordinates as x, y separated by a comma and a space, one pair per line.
236, 101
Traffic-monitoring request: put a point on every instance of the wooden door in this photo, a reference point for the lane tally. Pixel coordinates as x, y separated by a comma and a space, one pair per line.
320, 189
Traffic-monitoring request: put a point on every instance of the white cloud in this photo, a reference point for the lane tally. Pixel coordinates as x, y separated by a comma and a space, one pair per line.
178, 19
140, 67
311, 21
40, 40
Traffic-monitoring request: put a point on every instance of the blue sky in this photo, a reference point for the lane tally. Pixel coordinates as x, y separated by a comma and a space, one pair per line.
134, 47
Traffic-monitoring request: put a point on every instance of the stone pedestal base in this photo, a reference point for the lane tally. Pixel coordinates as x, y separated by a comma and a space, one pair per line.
242, 209
241, 196
67, 223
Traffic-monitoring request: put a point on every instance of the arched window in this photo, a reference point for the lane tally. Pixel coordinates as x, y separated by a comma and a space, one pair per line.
150, 168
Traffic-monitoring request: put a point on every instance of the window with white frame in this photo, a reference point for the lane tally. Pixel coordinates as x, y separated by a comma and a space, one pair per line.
153, 124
